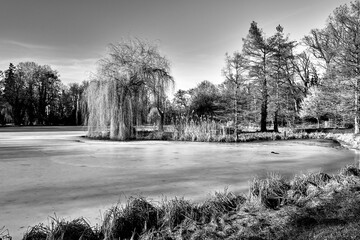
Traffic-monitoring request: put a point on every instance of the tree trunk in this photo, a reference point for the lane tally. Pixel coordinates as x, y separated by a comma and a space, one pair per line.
356, 119
123, 131
77, 110
236, 112
264, 107
114, 123
161, 120
318, 122
264, 101
276, 122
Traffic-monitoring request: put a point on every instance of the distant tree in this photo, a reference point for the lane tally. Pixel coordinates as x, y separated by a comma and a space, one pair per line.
280, 84
343, 27
257, 52
322, 45
75, 94
33, 94
28, 71
47, 88
181, 102
64, 106
235, 67
337, 49
306, 71
14, 92
313, 105
204, 100
2, 100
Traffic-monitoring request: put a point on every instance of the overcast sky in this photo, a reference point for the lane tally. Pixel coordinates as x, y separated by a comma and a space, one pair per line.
71, 35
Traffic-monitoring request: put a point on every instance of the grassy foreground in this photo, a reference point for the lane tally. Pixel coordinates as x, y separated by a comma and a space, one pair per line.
310, 206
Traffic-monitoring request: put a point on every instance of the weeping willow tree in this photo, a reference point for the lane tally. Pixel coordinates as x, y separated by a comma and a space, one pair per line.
132, 78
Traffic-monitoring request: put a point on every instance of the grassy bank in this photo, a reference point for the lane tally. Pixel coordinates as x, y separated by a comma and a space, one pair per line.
310, 206
347, 139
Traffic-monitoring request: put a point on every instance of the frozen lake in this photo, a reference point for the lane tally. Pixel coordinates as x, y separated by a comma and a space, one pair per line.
47, 170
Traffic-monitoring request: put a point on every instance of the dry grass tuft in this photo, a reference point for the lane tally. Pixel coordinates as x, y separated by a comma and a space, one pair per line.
271, 192
350, 170
306, 185
129, 222
176, 211
4, 234
37, 232
223, 202
62, 230
72, 230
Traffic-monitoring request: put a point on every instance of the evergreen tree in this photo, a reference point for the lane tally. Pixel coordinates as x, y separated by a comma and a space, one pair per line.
280, 73
14, 92
257, 51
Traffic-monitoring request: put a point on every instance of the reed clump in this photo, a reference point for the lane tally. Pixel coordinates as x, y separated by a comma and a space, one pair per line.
37, 232
72, 230
271, 191
206, 130
61, 229
129, 222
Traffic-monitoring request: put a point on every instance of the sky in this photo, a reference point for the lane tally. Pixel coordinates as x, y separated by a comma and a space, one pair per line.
72, 35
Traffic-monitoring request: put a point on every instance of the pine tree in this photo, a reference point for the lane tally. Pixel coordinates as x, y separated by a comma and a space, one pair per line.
14, 92
280, 58
257, 51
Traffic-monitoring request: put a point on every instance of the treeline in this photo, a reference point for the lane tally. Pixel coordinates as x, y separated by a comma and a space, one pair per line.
32, 94
270, 83
267, 84
264, 84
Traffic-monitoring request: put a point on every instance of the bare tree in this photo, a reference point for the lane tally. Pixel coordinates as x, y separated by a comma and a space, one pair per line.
235, 67
344, 27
